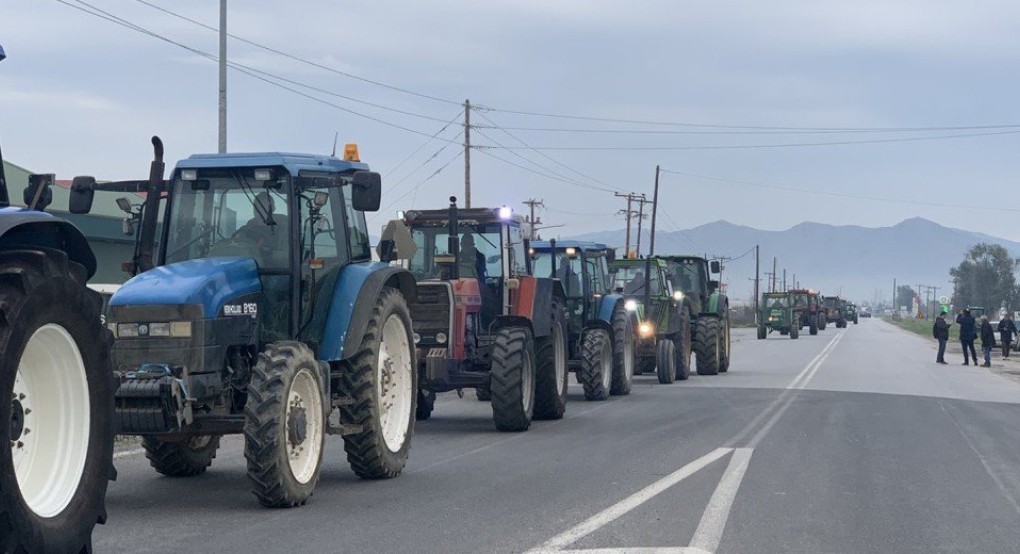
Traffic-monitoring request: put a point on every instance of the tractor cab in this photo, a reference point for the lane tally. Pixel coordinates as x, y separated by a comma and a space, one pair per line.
648, 290
583, 270
808, 305
692, 276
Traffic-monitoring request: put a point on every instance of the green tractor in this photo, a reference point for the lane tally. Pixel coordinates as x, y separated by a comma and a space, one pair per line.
850, 312
807, 304
777, 314
835, 310
708, 307
664, 324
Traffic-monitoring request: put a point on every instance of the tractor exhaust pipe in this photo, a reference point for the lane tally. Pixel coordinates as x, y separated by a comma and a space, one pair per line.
453, 242
147, 237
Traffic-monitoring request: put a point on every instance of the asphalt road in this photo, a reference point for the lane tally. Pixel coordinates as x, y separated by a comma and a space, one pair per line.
849, 441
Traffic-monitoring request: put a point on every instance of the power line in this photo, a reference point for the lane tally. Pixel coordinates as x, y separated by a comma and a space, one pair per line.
528, 169
761, 146
418, 185
558, 176
300, 59
755, 132
251, 72
841, 194
423, 145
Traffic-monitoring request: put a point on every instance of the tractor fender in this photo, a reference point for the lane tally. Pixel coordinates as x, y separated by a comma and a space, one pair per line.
608, 306
354, 298
593, 324
718, 304
534, 300
22, 227
502, 321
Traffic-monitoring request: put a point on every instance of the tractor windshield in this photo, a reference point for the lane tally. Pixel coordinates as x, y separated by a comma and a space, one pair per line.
777, 302
228, 213
801, 300
568, 270
689, 276
632, 280
480, 253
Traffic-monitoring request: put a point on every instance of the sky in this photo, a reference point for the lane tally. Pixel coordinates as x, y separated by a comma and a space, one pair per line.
81, 95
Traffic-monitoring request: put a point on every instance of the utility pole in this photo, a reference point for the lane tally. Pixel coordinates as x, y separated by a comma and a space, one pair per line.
640, 217
631, 197
774, 274
533, 220
651, 241
784, 279
896, 308
757, 279
223, 77
467, 153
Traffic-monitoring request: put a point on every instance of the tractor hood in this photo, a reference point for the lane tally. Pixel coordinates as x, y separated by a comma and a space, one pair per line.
210, 282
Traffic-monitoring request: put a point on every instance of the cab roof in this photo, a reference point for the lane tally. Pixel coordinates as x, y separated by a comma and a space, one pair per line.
293, 163
579, 244
465, 216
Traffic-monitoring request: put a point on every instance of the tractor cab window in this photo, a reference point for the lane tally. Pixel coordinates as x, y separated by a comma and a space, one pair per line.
689, 276
480, 254
324, 238
228, 213
568, 270
518, 255
632, 280
778, 302
598, 274
357, 228
800, 300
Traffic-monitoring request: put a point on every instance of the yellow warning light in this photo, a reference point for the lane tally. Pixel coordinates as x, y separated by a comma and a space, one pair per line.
631, 255
351, 153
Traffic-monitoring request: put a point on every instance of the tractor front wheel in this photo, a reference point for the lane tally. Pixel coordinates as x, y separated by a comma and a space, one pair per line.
382, 386
665, 361
707, 343
285, 425
596, 373
56, 405
513, 379
682, 347
186, 458
762, 332
813, 325
551, 373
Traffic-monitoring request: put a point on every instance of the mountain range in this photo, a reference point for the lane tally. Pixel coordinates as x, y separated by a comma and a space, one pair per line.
857, 262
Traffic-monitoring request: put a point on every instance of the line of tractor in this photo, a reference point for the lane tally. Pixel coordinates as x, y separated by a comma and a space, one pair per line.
790, 312
256, 306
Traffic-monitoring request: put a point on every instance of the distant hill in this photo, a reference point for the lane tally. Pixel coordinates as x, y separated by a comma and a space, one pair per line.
862, 261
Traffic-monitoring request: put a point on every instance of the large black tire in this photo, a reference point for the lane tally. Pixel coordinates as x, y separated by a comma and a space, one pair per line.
624, 360
724, 345
665, 361
762, 332
513, 379
813, 324
426, 403
596, 372
707, 345
275, 428
823, 322
551, 371
683, 345
185, 458
368, 452
795, 328
40, 287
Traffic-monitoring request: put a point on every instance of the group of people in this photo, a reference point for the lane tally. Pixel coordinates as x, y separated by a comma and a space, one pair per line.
971, 331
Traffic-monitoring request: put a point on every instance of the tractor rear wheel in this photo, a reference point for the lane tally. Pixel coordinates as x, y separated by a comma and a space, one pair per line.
596, 373
813, 324
513, 379
724, 347
665, 361
383, 385
707, 344
682, 347
623, 352
762, 332
794, 331
186, 458
551, 373
285, 425
56, 405
426, 403
823, 322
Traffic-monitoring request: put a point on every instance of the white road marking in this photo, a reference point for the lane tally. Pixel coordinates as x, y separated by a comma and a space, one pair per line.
128, 453
617, 510
713, 521
822, 357
628, 550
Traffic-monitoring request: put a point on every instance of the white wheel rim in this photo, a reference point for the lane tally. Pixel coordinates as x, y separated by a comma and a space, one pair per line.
51, 441
560, 351
607, 366
528, 384
393, 383
628, 356
304, 426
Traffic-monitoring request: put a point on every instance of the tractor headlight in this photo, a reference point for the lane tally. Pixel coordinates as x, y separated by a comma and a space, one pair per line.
678, 295
127, 330
630, 305
173, 329
441, 338
159, 329
646, 329
180, 329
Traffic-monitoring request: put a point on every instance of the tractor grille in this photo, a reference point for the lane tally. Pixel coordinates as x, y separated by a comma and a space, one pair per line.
430, 312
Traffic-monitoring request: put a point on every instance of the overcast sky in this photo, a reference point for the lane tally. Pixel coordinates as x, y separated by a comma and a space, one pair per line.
81, 95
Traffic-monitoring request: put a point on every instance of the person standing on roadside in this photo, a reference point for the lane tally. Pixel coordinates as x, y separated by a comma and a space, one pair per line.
1006, 331
941, 333
987, 341
967, 335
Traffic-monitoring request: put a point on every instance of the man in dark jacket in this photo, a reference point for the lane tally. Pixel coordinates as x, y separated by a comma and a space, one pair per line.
987, 341
941, 333
967, 335
1006, 331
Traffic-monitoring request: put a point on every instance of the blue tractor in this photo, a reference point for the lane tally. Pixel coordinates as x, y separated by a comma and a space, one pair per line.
56, 392
600, 328
257, 309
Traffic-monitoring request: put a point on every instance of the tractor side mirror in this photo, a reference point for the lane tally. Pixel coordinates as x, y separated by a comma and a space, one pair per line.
82, 193
38, 194
714, 266
367, 191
